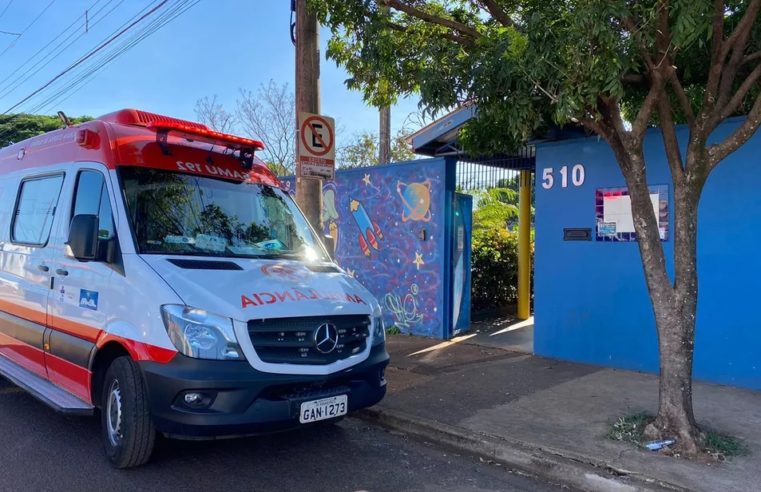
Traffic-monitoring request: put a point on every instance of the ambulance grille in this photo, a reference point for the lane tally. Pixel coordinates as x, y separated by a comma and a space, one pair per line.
293, 340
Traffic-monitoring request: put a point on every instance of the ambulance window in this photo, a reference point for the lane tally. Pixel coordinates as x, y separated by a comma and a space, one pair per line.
92, 199
35, 208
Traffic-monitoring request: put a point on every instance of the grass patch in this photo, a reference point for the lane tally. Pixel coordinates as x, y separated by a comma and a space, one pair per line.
630, 428
393, 330
721, 445
715, 445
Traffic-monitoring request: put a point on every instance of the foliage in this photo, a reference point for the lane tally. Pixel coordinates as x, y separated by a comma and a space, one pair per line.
267, 114
364, 150
533, 64
495, 208
212, 114
527, 63
630, 428
393, 330
722, 446
494, 267
17, 127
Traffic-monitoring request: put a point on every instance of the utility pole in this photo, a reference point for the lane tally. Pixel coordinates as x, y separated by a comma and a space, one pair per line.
308, 190
384, 135
384, 154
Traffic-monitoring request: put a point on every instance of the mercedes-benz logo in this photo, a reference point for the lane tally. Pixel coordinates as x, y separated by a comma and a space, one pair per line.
326, 338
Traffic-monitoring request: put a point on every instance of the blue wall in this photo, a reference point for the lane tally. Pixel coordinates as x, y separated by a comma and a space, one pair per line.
393, 234
591, 301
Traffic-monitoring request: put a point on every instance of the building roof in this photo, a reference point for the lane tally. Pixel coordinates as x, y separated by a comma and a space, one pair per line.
441, 138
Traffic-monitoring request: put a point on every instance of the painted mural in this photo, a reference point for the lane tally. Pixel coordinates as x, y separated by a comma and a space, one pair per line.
388, 223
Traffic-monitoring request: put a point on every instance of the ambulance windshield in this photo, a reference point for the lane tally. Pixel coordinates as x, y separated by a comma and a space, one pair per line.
181, 214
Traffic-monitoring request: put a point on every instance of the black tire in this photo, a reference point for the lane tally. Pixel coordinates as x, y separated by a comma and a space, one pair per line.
128, 433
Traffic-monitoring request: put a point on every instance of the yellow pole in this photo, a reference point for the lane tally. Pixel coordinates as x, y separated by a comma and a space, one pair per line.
524, 246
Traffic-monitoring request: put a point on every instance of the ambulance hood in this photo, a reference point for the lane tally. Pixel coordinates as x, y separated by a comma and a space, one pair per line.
246, 289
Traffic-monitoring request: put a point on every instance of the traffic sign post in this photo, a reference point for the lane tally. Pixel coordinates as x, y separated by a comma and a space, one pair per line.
316, 147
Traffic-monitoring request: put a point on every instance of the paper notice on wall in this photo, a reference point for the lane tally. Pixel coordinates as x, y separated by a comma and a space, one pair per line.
618, 210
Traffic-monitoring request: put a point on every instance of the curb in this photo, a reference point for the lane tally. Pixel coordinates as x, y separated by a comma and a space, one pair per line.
555, 466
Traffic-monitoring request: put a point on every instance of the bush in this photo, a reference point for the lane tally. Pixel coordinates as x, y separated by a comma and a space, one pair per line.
495, 268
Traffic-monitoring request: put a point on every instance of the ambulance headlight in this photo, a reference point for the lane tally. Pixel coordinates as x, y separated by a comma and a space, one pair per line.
199, 334
379, 329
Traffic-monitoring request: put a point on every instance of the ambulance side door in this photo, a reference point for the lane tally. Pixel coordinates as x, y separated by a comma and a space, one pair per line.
33, 202
79, 298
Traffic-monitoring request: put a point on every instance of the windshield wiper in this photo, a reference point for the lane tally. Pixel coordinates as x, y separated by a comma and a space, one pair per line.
269, 256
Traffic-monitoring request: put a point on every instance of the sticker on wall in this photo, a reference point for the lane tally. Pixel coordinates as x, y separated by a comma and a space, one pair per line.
416, 200
613, 213
369, 231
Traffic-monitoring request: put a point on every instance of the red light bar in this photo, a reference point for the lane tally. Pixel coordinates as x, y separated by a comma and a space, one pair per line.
137, 117
193, 132
189, 129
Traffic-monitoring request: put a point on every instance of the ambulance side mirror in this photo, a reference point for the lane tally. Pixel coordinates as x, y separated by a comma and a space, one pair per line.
83, 237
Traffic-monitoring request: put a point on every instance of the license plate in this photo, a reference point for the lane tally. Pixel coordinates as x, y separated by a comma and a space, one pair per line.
326, 408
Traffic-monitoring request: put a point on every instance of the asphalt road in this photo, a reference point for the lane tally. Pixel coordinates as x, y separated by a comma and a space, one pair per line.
41, 450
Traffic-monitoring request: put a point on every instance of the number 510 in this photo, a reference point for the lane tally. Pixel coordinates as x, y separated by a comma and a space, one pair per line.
577, 176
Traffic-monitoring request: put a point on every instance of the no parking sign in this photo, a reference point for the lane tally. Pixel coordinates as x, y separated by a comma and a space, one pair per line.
317, 147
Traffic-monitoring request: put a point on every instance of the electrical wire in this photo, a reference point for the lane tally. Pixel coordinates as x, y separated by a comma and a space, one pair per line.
6, 8
99, 64
11, 86
83, 57
27, 27
86, 57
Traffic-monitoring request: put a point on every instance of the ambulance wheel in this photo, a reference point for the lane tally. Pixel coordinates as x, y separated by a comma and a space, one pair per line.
128, 433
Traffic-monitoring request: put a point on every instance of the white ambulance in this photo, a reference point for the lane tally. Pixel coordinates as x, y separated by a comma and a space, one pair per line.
155, 270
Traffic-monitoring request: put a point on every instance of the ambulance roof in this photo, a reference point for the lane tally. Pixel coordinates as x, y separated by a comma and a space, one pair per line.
132, 137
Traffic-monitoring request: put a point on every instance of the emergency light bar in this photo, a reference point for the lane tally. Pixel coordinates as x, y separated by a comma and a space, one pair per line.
189, 130
193, 132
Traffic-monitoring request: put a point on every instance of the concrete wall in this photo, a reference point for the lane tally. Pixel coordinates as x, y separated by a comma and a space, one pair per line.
591, 302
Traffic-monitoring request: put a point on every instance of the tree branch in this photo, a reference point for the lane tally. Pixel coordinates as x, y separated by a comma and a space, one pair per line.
742, 29
496, 11
739, 96
717, 152
463, 40
751, 57
738, 41
645, 112
681, 96
717, 59
670, 141
433, 19
608, 133
631, 25
633, 78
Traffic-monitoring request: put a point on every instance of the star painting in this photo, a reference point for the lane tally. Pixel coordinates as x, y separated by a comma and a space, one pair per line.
418, 260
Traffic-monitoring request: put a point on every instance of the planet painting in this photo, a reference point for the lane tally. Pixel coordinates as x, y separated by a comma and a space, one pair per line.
416, 200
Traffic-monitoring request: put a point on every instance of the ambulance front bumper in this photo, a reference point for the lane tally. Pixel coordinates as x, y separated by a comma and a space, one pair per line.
231, 398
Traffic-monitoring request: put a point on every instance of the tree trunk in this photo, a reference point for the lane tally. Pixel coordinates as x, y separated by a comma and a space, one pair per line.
675, 321
674, 304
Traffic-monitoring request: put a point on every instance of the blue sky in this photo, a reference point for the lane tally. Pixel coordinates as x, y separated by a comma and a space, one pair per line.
215, 48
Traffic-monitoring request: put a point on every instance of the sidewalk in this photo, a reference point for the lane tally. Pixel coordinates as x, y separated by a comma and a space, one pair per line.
549, 417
